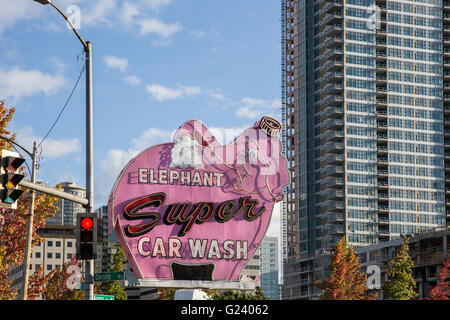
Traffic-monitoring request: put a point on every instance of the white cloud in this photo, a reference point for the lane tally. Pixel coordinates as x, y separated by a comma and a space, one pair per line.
116, 159
102, 12
153, 25
116, 63
133, 80
18, 83
156, 4
254, 108
162, 93
13, 11
51, 148
128, 13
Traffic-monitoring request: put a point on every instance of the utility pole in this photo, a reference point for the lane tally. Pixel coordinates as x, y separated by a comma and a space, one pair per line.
89, 291
26, 263
89, 264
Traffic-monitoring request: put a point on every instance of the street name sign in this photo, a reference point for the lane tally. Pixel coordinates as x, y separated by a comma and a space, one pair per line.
103, 297
108, 276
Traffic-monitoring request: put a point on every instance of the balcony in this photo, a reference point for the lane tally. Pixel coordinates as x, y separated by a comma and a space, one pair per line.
333, 123
336, 229
334, 147
333, 5
333, 99
332, 64
334, 17
382, 149
335, 194
333, 135
333, 205
334, 158
331, 41
383, 208
382, 102
336, 217
383, 172
333, 112
383, 196
331, 30
333, 170
382, 114
336, 75
333, 182
383, 220
332, 88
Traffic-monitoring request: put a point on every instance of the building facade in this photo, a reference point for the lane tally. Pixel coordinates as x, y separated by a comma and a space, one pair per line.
68, 210
269, 267
364, 110
58, 247
428, 250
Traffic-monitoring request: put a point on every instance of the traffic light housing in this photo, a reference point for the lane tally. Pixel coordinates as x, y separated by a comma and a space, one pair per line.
10, 178
86, 236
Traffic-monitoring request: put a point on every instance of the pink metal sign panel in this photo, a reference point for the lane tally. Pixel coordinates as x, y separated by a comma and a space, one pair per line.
194, 209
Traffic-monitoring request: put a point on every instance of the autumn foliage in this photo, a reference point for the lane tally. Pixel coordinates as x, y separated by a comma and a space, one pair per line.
13, 231
346, 281
442, 290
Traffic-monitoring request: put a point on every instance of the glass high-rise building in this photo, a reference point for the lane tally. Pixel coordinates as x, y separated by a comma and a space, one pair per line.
366, 112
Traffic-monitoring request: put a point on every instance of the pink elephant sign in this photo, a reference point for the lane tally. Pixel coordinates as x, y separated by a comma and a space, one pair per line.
194, 209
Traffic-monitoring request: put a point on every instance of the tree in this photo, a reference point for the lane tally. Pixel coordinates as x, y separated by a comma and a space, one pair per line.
400, 284
37, 283
441, 291
113, 287
345, 281
258, 294
13, 231
60, 285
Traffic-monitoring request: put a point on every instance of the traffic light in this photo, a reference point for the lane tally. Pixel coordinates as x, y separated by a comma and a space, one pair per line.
86, 236
10, 178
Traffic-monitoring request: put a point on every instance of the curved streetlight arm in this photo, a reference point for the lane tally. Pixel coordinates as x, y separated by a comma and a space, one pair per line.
44, 2
18, 145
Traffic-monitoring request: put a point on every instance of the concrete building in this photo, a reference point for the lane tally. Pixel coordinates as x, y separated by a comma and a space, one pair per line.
427, 250
68, 210
58, 247
269, 267
366, 115
107, 248
251, 270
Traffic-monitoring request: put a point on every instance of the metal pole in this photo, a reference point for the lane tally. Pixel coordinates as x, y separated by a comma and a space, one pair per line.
89, 291
26, 263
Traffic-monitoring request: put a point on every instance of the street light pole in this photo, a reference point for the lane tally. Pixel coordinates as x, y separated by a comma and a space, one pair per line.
89, 291
26, 262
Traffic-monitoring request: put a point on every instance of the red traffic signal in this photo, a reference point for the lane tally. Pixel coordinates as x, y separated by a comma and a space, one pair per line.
86, 236
87, 223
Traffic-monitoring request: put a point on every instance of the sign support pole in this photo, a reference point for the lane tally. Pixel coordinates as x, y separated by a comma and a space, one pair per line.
26, 262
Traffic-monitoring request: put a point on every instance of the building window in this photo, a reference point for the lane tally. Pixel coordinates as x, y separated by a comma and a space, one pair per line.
49, 255
38, 254
50, 243
57, 255
58, 243
69, 244
49, 267
69, 256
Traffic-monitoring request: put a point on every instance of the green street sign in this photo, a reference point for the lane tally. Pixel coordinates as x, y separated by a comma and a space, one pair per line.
103, 297
108, 276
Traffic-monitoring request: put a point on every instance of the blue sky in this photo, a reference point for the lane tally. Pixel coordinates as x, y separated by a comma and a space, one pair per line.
156, 64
